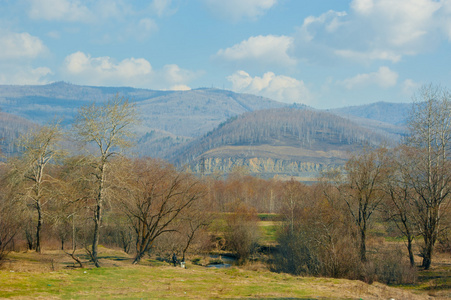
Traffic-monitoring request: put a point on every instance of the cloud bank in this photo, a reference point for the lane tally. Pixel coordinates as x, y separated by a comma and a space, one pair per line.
81, 68
277, 87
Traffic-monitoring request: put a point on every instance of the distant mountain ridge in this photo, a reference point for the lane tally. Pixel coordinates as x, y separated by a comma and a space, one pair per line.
390, 113
187, 113
170, 120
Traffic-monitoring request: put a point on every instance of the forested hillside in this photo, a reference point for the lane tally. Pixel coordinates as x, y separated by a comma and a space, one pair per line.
297, 140
167, 118
11, 127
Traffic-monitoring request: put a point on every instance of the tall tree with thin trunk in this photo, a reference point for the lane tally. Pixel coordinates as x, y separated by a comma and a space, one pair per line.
360, 187
108, 128
429, 173
399, 205
39, 148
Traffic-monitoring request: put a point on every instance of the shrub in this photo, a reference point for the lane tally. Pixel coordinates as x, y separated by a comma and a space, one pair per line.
295, 254
242, 232
444, 241
389, 267
196, 261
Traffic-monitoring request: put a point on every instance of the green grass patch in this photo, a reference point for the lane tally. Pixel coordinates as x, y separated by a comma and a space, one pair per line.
165, 282
269, 231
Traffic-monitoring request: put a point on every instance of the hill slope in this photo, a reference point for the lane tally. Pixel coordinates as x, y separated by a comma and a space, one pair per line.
11, 127
390, 113
176, 116
171, 119
286, 141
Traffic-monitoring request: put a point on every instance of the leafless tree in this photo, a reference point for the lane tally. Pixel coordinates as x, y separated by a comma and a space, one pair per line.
39, 148
401, 196
11, 217
360, 187
428, 174
154, 195
196, 218
108, 128
293, 200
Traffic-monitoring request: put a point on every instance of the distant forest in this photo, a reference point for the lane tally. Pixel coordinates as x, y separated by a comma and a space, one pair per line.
286, 127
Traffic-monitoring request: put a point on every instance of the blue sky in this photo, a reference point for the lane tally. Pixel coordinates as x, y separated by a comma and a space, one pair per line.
328, 53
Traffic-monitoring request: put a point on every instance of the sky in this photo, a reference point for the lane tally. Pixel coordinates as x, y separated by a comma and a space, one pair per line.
325, 54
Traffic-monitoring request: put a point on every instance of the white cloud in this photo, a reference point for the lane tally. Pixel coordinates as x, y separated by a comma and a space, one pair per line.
24, 75
236, 10
20, 46
59, 10
383, 78
278, 87
181, 87
136, 72
409, 87
265, 50
17, 52
384, 30
103, 70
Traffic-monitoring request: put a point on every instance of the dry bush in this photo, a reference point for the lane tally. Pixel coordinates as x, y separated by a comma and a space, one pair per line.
389, 267
296, 254
317, 239
11, 217
444, 241
242, 232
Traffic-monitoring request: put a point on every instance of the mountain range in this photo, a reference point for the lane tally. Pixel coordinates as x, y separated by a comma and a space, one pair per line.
213, 130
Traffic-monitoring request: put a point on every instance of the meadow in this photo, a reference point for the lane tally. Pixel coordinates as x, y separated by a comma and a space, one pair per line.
52, 275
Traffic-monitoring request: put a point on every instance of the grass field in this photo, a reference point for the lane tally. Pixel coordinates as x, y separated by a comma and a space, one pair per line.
28, 275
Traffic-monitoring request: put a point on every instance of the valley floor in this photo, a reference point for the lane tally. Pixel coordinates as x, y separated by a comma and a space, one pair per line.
50, 275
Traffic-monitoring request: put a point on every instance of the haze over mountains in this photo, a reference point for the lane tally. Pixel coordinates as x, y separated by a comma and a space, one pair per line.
268, 137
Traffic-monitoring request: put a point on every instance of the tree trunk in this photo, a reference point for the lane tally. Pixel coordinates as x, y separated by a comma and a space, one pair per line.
362, 245
427, 253
426, 261
95, 241
409, 248
38, 228
138, 257
98, 213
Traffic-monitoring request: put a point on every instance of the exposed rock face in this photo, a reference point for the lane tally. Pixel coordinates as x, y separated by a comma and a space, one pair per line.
266, 167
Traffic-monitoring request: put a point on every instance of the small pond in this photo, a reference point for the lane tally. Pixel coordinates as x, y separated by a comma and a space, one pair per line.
221, 261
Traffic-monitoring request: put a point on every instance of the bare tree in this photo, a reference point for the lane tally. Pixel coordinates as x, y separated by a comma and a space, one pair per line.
39, 148
107, 127
360, 187
293, 198
11, 216
154, 195
197, 217
75, 195
430, 134
399, 205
